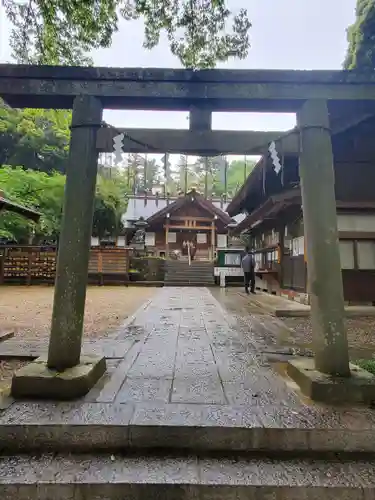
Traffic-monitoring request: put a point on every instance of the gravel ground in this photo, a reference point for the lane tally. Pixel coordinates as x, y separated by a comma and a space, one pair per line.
360, 333
27, 311
294, 332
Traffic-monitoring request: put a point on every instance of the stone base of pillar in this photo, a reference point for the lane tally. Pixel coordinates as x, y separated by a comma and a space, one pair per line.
36, 380
357, 389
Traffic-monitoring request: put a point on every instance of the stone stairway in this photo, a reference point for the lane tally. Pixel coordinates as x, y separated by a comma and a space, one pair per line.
180, 273
115, 477
178, 455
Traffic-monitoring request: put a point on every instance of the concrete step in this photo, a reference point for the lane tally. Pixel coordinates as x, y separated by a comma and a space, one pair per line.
189, 275
115, 477
192, 428
200, 263
200, 276
195, 276
189, 283
190, 268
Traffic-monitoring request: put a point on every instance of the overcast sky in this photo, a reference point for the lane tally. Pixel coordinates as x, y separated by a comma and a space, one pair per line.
286, 34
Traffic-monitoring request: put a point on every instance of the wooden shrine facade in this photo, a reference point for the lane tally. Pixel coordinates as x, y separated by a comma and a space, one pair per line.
275, 219
188, 220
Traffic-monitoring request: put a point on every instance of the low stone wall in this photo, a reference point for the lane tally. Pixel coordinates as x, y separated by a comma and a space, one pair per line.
147, 269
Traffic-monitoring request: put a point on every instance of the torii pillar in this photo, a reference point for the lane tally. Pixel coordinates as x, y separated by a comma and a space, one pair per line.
65, 374
329, 377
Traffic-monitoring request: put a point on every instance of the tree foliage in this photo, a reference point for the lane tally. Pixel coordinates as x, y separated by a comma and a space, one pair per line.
207, 175
110, 204
200, 32
45, 193
361, 38
35, 138
36, 190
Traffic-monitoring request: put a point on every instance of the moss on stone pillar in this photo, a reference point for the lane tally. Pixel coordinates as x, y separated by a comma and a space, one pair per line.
75, 237
320, 224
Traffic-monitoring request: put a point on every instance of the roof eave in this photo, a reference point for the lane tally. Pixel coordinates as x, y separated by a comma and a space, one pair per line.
19, 209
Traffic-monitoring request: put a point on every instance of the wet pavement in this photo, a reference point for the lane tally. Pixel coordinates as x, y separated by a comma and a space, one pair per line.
189, 388
191, 370
188, 349
281, 338
191, 345
187, 345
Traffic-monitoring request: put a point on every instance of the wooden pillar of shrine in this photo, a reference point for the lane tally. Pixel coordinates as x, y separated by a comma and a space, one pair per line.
213, 238
166, 239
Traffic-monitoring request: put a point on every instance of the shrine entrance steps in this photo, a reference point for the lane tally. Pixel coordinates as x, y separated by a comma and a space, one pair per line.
180, 273
190, 409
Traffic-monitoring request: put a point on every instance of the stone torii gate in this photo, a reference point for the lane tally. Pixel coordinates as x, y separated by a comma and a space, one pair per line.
325, 102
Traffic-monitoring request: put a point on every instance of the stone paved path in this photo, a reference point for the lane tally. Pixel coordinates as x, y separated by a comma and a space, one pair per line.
186, 373
186, 349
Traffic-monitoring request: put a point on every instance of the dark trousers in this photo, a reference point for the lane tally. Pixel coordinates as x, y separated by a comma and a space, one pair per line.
249, 278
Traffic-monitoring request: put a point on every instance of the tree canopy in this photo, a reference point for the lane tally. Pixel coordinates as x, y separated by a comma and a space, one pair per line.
200, 32
361, 38
45, 193
35, 138
212, 175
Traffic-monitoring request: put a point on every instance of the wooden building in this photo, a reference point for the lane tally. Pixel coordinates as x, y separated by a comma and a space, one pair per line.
173, 222
272, 202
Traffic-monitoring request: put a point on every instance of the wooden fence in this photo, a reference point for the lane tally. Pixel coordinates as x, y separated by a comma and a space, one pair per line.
28, 265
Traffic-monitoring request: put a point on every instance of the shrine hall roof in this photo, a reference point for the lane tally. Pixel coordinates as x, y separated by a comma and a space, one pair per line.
145, 207
10, 206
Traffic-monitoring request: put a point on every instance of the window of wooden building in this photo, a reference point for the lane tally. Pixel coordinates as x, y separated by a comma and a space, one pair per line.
357, 254
347, 254
366, 254
298, 246
258, 257
232, 259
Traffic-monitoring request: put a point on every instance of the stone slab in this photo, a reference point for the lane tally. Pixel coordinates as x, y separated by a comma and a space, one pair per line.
203, 390
282, 307
65, 426
144, 389
36, 380
106, 393
182, 478
6, 335
32, 349
279, 306
356, 389
80, 426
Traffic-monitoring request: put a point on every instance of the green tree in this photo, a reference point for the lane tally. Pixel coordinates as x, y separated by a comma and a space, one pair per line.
36, 190
238, 170
200, 32
45, 193
37, 139
361, 38
110, 204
